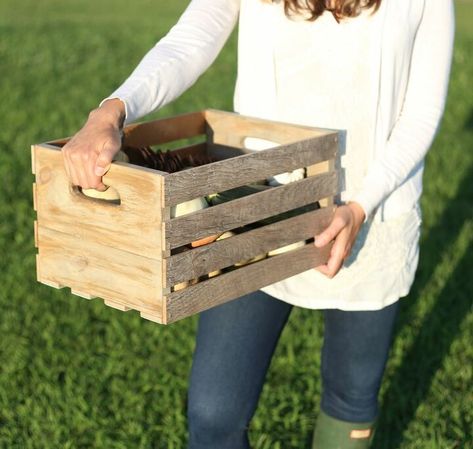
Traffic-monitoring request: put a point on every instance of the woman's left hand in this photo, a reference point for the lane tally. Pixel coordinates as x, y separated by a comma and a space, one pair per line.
343, 229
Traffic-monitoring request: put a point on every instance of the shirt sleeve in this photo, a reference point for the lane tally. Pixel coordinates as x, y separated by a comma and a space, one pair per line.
179, 58
424, 103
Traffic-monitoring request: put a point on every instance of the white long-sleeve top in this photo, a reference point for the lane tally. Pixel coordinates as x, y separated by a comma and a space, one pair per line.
411, 65
390, 104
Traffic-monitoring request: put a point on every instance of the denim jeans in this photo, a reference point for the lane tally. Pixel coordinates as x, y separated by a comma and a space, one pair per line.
234, 346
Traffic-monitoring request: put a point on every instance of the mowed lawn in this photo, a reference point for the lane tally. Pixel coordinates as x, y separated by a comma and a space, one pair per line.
77, 374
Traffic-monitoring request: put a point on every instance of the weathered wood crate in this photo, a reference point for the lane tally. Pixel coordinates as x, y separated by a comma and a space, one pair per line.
130, 254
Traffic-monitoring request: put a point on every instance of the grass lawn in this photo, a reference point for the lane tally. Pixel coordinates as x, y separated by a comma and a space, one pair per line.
76, 374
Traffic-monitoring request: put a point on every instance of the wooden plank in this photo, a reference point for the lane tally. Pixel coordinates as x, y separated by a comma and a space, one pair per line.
224, 253
247, 168
233, 214
35, 194
231, 128
165, 130
196, 149
97, 270
154, 317
133, 225
222, 152
231, 285
116, 305
322, 167
33, 164
35, 230
82, 294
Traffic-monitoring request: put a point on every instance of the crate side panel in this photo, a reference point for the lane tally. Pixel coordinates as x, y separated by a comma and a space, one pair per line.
231, 285
133, 225
249, 209
247, 168
165, 130
224, 253
99, 271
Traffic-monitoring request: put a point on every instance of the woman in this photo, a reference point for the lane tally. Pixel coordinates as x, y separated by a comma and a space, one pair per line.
378, 69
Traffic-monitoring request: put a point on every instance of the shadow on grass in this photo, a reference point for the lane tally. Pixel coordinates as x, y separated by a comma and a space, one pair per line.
411, 383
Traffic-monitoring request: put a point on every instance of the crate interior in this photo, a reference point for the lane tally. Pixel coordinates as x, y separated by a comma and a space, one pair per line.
223, 137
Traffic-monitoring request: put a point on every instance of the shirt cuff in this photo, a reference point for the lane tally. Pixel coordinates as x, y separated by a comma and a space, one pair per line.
366, 203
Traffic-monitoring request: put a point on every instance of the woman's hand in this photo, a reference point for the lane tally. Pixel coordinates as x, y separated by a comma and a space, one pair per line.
343, 229
88, 154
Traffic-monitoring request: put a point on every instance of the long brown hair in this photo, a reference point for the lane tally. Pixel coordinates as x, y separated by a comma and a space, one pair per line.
339, 8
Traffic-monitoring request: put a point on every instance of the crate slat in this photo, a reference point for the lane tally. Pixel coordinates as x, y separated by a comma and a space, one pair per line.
165, 130
224, 253
232, 214
241, 281
247, 168
230, 128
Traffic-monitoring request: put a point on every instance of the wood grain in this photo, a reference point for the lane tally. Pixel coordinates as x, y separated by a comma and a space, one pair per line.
132, 225
241, 281
247, 168
224, 253
230, 128
233, 214
96, 270
165, 130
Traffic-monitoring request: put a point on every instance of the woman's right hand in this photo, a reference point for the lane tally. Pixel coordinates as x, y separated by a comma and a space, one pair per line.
88, 154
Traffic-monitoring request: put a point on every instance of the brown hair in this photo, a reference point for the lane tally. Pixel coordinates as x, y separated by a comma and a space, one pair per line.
339, 8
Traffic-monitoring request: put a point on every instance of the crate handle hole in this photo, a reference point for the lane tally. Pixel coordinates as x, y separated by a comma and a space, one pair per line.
108, 196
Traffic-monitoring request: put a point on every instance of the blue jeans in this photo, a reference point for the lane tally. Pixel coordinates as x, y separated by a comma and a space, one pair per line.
234, 346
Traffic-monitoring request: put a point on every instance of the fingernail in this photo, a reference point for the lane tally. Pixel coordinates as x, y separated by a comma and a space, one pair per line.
99, 171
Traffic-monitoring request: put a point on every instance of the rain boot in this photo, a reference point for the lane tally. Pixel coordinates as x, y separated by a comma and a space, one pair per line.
332, 433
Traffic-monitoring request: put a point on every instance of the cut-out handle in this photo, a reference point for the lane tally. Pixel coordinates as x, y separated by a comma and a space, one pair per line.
110, 195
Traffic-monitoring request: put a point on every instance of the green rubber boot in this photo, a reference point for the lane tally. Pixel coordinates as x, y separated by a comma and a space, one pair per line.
332, 433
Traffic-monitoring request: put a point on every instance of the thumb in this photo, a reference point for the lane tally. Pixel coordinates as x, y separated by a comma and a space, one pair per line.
104, 160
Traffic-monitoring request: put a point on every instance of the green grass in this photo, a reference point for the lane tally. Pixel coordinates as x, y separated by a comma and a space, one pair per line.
76, 374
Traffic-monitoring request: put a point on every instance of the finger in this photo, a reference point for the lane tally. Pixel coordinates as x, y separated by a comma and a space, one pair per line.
94, 180
71, 169
66, 164
330, 232
104, 160
336, 256
322, 269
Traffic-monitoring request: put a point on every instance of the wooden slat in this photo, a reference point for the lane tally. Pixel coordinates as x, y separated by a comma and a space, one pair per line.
249, 209
116, 305
241, 281
35, 194
35, 230
156, 317
231, 128
82, 294
33, 164
165, 130
247, 168
224, 253
133, 225
322, 167
222, 152
96, 270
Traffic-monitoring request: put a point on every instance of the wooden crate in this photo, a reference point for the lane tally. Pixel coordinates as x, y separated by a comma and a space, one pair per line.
127, 253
